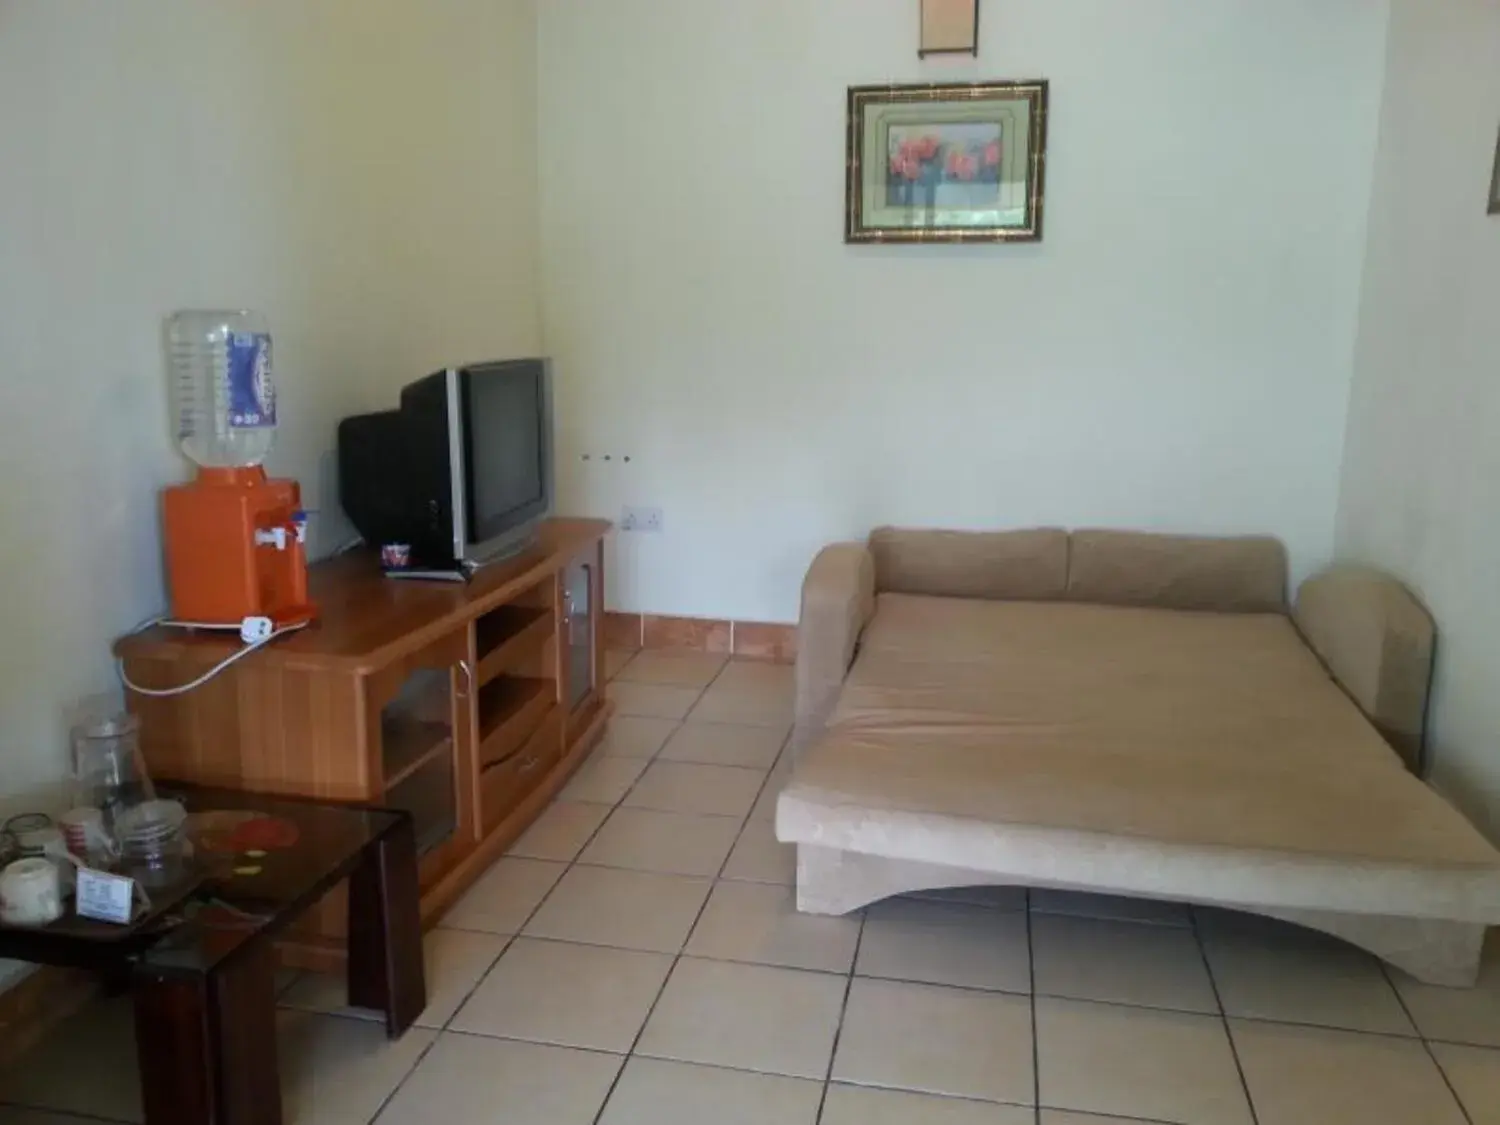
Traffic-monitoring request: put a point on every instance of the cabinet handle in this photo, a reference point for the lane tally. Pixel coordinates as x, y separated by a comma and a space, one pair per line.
529, 764
463, 666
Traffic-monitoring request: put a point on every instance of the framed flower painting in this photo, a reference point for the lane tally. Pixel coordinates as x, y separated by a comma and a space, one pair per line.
946, 163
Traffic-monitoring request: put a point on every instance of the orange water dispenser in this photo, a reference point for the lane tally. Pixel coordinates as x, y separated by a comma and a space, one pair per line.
235, 539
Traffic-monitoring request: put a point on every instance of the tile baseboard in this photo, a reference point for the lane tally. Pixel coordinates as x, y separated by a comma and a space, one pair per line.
689, 634
755, 640
622, 631
749, 640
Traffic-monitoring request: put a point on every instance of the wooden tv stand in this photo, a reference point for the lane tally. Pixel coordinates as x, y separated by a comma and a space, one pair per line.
469, 704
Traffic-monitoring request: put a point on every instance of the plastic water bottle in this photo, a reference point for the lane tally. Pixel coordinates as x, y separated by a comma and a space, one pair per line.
223, 398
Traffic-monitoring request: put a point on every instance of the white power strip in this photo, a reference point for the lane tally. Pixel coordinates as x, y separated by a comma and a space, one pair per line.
255, 632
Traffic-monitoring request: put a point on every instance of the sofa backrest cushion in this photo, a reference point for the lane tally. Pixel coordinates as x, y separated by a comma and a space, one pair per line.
1029, 565
1245, 575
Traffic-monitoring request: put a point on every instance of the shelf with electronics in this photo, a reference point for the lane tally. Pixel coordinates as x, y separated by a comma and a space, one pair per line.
468, 704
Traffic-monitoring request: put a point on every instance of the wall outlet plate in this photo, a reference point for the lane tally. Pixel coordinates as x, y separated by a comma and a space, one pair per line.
641, 519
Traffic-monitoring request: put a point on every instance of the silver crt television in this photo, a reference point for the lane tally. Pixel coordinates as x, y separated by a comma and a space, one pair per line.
461, 473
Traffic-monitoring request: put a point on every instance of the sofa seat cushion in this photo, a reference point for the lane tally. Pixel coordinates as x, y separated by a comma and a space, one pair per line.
1199, 732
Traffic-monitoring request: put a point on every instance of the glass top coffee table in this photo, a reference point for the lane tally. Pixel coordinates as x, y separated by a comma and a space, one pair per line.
200, 961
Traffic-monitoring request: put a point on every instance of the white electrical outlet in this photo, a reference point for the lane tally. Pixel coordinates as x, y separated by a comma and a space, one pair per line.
641, 519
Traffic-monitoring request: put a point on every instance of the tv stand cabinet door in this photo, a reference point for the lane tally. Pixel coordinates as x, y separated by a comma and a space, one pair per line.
420, 718
581, 651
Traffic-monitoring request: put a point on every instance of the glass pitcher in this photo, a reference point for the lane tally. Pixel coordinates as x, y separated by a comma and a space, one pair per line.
109, 773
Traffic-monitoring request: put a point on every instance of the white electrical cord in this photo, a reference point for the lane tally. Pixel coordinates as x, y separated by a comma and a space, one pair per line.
160, 693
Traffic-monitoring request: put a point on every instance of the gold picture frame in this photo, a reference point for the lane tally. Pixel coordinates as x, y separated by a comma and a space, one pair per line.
946, 163
1495, 182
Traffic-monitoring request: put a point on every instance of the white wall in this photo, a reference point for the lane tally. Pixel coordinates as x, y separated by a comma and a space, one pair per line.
360, 170
1175, 355
1423, 448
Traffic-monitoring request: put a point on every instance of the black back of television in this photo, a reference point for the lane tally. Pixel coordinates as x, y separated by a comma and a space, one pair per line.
394, 475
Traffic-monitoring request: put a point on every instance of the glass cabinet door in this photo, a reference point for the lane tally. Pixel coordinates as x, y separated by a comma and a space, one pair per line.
578, 617
415, 721
582, 604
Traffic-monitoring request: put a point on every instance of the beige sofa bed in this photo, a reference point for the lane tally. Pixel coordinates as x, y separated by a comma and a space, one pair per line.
1135, 714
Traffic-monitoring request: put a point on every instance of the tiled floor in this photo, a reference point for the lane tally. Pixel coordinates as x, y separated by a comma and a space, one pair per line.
636, 959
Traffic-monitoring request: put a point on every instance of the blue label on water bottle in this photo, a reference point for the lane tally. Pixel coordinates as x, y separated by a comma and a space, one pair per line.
252, 399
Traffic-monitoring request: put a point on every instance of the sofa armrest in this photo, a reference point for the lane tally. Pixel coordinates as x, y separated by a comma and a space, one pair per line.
838, 598
1377, 640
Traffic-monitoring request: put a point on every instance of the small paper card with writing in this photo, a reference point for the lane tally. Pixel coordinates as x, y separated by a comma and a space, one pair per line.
105, 897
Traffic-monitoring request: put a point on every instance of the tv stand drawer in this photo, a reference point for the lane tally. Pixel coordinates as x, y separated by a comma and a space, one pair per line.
505, 784
511, 712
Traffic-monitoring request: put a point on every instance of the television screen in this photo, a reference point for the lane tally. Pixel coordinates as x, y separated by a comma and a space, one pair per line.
504, 419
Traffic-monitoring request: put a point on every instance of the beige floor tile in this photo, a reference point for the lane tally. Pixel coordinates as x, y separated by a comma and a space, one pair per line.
1295, 976
656, 1092
1458, 1015
603, 779
625, 909
692, 788
652, 701
46, 1077
996, 898
757, 675
615, 660
674, 843
682, 669
1475, 1075
455, 962
504, 896
631, 736
937, 1041
945, 943
725, 744
856, 1105
765, 804
752, 706
472, 1080
1213, 920
326, 992
337, 1071
567, 995
1136, 1062
1123, 962
759, 857
1319, 1076
560, 832
759, 923
1112, 907
786, 761
1065, 1117
747, 1017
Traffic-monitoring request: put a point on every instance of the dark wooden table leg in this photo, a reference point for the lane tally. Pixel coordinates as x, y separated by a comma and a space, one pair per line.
207, 1045
385, 931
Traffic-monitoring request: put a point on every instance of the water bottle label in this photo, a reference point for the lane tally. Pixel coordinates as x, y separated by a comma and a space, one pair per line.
252, 399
